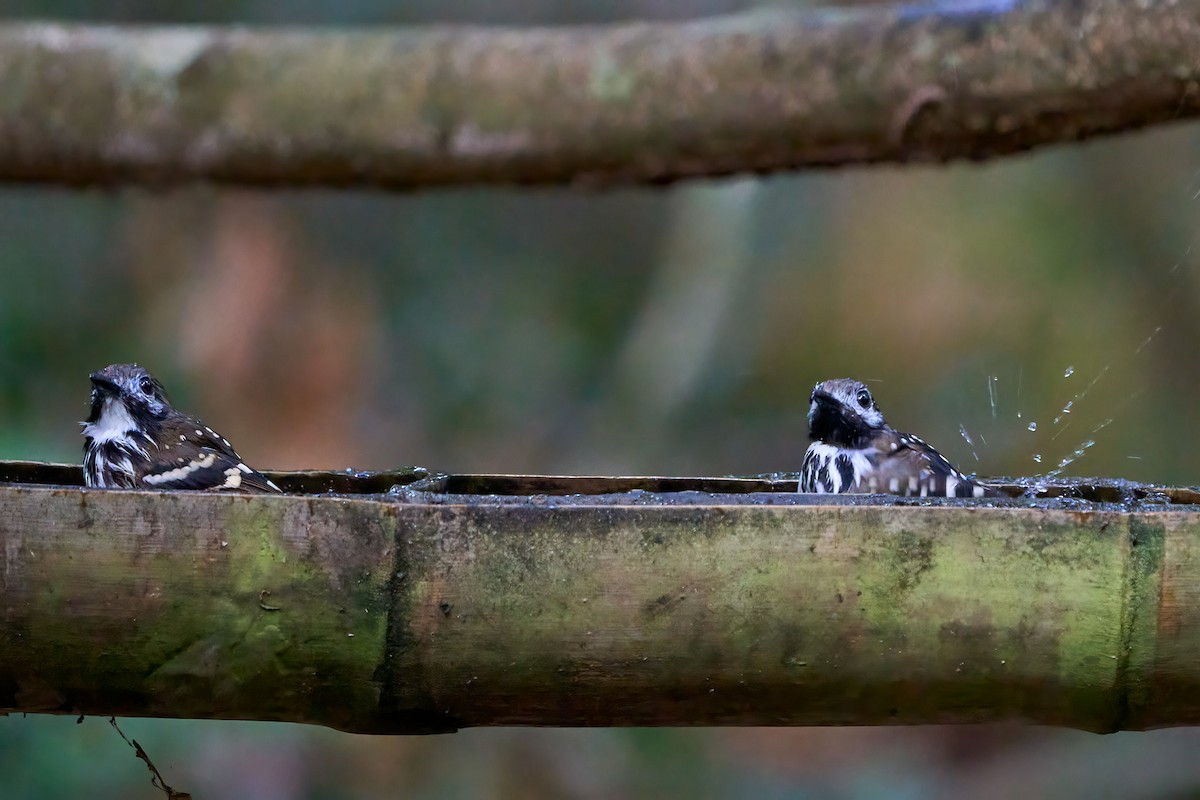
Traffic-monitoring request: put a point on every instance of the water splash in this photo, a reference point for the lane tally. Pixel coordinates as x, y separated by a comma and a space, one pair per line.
1079, 451
1020, 376
962, 429
1175, 267
1067, 414
1148, 339
1071, 459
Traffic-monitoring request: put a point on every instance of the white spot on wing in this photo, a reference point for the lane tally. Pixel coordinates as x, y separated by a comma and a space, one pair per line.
180, 473
233, 479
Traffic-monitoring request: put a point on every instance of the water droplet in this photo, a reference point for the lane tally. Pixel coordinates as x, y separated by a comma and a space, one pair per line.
962, 429
1069, 372
1033, 426
1037, 457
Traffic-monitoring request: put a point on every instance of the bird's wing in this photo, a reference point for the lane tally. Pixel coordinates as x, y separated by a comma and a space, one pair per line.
909, 466
193, 456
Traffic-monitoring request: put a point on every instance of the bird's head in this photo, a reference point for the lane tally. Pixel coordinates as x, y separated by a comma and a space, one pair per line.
130, 385
842, 412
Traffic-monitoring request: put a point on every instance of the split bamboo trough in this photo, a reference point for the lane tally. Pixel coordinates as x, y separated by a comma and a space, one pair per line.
407, 602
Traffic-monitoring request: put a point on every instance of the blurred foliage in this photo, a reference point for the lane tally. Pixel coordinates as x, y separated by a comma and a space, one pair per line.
672, 331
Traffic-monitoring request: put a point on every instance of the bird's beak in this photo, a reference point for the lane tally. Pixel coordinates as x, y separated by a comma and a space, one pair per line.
104, 383
825, 409
823, 401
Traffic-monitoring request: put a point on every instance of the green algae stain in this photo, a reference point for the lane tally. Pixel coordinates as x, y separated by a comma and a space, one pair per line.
259, 555
1001, 599
1000, 610
204, 605
905, 558
573, 590
274, 634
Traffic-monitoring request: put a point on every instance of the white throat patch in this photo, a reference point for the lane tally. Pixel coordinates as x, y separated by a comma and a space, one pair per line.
114, 424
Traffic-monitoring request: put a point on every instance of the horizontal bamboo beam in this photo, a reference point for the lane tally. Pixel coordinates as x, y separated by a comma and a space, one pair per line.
626, 103
429, 603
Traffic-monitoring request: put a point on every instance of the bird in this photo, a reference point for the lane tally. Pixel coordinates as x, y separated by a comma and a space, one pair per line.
135, 439
854, 450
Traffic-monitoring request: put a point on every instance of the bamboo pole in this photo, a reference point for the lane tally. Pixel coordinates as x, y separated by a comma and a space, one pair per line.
418, 610
628, 103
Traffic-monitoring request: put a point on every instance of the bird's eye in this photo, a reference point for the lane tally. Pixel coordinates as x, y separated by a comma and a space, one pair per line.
864, 398
146, 385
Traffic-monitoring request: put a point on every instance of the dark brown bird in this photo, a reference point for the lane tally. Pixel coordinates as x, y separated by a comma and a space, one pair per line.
134, 439
855, 450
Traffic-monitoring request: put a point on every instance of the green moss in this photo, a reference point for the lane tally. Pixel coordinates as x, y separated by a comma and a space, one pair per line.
278, 607
202, 605
1001, 611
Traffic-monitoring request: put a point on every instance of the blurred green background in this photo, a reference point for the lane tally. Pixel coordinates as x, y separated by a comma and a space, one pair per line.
674, 331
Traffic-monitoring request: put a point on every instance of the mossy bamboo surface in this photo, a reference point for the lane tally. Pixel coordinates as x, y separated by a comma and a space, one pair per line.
426, 610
